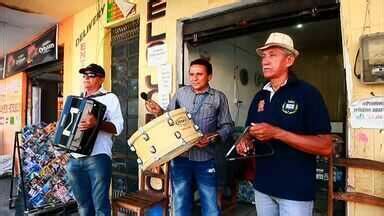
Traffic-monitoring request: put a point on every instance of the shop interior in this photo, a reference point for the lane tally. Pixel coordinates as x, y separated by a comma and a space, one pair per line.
45, 91
237, 73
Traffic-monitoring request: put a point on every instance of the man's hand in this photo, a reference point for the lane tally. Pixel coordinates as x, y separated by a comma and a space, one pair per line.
206, 139
245, 146
263, 131
153, 107
89, 121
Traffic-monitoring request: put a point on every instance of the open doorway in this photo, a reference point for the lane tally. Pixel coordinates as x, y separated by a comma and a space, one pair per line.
238, 74
45, 87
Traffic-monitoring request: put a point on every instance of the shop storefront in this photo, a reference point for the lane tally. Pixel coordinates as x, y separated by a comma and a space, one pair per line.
146, 46
31, 82
45, 87
230, 47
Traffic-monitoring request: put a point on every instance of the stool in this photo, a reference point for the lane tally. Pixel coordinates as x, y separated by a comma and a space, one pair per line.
147, 196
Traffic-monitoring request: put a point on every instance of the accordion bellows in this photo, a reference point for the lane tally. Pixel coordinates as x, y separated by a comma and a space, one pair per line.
67, 136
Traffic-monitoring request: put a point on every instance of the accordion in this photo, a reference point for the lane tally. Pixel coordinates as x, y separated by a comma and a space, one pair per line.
67, 136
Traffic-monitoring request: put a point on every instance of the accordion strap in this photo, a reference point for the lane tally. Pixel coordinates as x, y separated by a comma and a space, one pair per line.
95, 95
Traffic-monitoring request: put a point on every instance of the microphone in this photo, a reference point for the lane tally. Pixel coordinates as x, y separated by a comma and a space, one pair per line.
144, 96
152, 104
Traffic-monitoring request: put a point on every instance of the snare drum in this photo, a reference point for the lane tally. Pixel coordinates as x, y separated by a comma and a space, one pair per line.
164, 138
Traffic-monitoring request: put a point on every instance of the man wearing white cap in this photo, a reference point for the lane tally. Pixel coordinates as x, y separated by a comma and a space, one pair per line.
287, 116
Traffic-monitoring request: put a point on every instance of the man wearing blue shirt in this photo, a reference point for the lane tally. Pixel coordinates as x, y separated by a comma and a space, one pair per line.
210, 111
289, 117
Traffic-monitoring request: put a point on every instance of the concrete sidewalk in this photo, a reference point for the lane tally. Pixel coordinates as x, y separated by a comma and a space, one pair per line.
4, 196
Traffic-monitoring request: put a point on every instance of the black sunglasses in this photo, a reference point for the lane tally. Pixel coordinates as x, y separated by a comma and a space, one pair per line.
89, 75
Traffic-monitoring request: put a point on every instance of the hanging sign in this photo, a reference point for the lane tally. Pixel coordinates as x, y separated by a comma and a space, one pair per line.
165, 84
125, 6
157, 55
368, 113
39, 51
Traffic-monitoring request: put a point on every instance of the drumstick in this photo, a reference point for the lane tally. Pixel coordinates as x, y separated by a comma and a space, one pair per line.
212, 137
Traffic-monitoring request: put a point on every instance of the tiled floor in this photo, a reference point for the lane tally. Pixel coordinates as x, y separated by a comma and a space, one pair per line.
4, 197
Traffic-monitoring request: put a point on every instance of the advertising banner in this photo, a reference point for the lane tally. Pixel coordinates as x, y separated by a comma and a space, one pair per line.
39, 51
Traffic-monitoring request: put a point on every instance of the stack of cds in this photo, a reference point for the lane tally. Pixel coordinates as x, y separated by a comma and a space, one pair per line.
43, 168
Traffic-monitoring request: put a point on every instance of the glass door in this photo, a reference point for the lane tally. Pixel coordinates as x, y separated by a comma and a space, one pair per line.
125, 62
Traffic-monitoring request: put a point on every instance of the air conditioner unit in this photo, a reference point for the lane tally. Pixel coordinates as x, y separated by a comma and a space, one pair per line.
372, 51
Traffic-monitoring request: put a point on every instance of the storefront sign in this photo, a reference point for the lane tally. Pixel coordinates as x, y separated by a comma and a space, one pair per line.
113, 12
2, 64
90, 25
125, 6
156, 9
41, 50
83, 54
368, 113
119, 9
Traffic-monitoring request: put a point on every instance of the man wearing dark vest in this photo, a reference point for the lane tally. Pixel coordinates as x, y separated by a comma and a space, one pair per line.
287, 117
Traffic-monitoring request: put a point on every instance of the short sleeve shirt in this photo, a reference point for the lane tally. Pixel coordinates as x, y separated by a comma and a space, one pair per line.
103, 142
297, 107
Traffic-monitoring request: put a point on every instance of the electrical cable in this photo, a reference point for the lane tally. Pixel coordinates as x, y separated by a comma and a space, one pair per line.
367, 13
358, 76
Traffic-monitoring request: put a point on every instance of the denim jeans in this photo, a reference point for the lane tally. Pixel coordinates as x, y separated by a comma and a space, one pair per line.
186, 173
89, 179
272, 206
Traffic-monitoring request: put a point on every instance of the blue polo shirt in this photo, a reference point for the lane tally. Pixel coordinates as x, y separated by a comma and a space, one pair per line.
297, 107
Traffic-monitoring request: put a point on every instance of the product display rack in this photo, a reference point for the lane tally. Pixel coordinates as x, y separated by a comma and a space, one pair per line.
40, 170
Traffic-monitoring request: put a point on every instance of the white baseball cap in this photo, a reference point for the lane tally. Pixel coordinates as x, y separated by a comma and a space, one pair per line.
279, 40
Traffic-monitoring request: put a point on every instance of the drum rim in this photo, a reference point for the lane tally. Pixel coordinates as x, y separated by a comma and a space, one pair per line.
153, 123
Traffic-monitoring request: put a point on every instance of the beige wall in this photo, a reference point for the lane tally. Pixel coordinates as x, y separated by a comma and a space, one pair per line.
353, 13
69, 30
175, 11
358, 18
97, 47
12, 110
